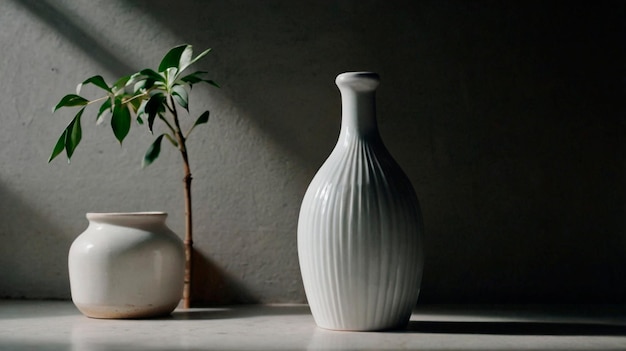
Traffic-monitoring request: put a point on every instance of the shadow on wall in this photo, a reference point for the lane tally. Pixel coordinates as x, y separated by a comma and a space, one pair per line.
52, 13
33, 253
506, 118
530, 151
277, 61
213, 286
508, 122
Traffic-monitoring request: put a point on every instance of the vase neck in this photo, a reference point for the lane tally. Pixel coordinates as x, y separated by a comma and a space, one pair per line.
358, 105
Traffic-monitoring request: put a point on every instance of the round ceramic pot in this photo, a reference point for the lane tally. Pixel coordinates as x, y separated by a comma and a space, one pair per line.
126, 265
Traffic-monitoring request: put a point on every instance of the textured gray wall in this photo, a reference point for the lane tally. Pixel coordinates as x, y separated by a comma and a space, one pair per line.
508, 118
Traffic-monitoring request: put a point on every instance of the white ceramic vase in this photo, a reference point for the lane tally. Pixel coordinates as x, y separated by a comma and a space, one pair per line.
126, 265
360, 226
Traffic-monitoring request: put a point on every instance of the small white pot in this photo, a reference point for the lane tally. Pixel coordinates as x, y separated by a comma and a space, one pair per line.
126, 265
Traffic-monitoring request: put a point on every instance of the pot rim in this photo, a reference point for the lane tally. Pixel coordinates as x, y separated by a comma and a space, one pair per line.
125, 214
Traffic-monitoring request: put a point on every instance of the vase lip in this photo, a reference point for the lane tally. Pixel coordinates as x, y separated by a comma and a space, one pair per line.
360, 81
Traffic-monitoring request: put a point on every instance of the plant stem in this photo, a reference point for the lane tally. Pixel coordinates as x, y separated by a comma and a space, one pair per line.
188, 228
188, 210
134, 97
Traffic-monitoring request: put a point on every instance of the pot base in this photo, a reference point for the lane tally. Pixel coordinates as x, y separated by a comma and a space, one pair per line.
125, 312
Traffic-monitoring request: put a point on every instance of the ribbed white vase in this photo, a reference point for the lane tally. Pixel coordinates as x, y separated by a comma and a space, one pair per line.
360, 226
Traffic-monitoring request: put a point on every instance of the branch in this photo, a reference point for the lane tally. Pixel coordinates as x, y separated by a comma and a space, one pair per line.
134, 97
167, 123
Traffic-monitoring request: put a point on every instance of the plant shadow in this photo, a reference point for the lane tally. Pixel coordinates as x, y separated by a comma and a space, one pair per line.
213, 286
216, 294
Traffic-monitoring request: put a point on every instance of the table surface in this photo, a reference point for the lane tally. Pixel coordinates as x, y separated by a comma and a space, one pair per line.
57, 325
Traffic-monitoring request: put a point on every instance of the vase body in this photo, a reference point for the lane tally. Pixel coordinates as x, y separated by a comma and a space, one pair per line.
126, 265
360, 226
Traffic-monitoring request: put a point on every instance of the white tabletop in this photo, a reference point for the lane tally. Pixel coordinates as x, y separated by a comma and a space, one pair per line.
57, 325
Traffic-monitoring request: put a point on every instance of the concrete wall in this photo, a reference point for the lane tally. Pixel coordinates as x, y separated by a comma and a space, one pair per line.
507, 116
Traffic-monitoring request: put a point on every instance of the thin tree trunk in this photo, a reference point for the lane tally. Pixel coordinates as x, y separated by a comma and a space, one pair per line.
188, 238
188, 242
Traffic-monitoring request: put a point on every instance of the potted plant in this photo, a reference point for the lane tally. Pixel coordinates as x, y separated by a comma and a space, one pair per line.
148, 97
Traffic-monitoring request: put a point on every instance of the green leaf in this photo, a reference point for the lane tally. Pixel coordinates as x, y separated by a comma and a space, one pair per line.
204, 118
71, 100
151, 74
181, 96
106, 105
213, 83
139, 121
58, 148
153, 151
208, 81
120, 121
194, 77
154, 106
73, 134
185, 58
171, 76
151, 119
175, 56
202, 54
142, 108
144, 84
95, 80
121, 83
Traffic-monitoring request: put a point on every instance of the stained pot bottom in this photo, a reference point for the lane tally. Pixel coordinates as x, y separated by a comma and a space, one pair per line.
125, 311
